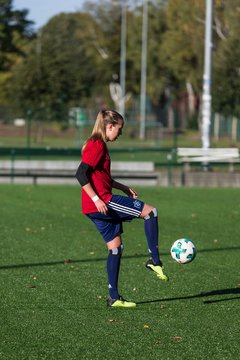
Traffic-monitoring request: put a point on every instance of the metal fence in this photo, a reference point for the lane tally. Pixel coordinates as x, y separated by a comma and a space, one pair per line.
160, 121
223, 126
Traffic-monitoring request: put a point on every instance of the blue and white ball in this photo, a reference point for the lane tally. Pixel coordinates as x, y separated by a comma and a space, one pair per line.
183, 251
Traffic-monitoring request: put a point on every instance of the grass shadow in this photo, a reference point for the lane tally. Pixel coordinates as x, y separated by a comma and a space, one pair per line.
125, 257
220, 292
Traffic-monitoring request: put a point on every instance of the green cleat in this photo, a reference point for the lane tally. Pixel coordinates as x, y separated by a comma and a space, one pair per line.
120, 303
158, 269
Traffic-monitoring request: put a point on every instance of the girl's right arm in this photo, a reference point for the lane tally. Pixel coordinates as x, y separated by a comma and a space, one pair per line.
100, 205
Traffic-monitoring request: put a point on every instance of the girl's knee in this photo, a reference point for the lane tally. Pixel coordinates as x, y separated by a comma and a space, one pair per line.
115, 243
146, 210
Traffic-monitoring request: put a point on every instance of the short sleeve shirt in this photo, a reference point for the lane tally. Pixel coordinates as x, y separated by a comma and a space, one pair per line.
96, 155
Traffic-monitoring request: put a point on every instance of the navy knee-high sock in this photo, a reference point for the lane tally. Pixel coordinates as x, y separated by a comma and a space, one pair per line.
151, 232
113, 267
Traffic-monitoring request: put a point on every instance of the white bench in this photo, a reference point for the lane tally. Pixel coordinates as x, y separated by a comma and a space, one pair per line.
63, 171
208, 156
134, 172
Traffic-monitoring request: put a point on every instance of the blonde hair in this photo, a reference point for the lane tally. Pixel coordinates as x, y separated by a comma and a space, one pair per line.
104, 118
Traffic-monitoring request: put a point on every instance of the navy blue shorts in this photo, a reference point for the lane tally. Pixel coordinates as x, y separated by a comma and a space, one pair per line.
120, 209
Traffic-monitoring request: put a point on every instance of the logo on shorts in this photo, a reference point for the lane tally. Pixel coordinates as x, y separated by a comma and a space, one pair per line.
137, 204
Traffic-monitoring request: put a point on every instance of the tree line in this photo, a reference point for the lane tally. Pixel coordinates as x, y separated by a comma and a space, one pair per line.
74, 57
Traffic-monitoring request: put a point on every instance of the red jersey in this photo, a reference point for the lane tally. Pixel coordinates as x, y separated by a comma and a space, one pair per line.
96, 155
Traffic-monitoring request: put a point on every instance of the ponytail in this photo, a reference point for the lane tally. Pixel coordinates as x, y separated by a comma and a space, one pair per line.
104, 117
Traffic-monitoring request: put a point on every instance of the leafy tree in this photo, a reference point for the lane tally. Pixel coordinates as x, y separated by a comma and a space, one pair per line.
105, 41
60, 69
14, 27
73, 61
108, 15
75, 56
15, 34
226, 79
158, 73
182, 47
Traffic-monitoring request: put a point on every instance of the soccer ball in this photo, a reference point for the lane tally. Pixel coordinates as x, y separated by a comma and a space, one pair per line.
183, 251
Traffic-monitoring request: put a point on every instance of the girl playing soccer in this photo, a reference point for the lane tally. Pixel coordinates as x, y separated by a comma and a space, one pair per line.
108, 211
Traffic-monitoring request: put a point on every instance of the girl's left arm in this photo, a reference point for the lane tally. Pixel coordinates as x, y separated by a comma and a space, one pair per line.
127, 190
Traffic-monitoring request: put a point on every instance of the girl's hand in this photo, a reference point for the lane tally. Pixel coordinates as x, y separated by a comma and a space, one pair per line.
131, 193
127, 190
101, 206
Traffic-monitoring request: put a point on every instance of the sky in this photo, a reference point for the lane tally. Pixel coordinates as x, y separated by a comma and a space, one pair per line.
40, 11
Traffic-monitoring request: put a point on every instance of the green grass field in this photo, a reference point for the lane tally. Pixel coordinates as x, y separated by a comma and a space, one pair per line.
53, 279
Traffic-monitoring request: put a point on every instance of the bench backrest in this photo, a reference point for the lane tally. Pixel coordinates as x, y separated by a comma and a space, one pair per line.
50, 165
132, 166
67, 165
198, 154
